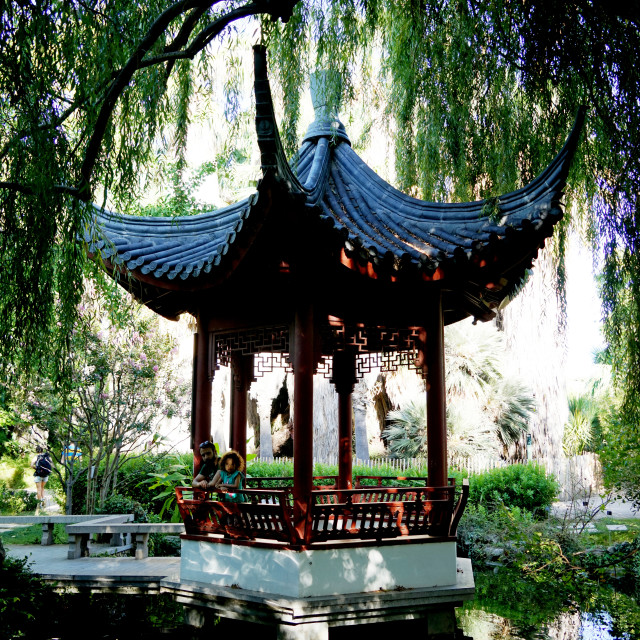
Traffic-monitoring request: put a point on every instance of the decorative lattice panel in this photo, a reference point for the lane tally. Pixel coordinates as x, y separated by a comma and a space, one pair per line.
369, 339
325, 367
270, 344
376, 348
267, 362
383, 348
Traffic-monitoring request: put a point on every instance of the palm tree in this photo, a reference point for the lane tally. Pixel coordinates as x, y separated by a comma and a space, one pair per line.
406, 431
487, 409
582, 425
511, 405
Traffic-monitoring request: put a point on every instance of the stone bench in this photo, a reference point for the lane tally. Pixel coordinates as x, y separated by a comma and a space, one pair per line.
138, 531
48, 521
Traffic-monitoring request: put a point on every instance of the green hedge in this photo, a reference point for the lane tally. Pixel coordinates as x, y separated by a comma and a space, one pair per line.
526, 486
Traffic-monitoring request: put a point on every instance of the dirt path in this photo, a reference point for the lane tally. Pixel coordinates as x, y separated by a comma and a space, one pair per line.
613, 509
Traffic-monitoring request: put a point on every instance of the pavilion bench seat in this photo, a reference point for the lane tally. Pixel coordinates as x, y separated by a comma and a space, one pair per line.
333, 515
137, 534
379, 520
264, 514
48, 521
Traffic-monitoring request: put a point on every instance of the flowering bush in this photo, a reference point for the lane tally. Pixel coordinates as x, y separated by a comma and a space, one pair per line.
123, 384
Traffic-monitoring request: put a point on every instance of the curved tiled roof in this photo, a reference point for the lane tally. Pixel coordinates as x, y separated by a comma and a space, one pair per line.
168, 248
379, 222
378, 228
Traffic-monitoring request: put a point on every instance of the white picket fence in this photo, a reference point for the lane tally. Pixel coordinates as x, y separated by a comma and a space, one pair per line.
397, 464
578, 476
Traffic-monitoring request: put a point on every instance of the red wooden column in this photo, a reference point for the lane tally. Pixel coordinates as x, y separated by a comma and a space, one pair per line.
344, 379
303, 366
437, 467
241, 379
201, 390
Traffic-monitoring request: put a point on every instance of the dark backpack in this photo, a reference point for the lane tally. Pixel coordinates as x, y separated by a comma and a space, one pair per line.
43, 466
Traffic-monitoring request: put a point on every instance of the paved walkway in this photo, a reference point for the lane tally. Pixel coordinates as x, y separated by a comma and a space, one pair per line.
613, 509
52, 562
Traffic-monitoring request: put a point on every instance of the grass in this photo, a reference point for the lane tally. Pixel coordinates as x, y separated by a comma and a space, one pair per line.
603, 537
9, 472
33, 535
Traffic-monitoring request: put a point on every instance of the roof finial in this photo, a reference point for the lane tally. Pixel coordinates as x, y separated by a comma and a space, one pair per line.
326, 95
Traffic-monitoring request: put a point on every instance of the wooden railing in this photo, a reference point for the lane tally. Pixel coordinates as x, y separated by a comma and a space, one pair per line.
378, 513
265, 514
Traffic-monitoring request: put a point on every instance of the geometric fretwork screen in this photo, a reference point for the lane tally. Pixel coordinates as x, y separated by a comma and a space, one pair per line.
376, 348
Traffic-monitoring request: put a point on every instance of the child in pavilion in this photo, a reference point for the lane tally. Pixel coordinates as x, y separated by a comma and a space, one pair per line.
209, 468
230, 476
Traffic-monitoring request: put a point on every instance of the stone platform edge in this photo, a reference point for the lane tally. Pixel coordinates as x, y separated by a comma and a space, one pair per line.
345, 609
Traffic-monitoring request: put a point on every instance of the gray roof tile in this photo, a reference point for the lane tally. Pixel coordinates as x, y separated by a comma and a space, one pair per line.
370, 218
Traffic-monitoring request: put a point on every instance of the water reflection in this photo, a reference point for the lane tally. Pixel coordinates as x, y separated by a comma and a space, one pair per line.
483, 625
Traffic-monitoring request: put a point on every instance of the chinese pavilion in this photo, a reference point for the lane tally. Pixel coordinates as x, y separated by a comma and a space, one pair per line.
328, 269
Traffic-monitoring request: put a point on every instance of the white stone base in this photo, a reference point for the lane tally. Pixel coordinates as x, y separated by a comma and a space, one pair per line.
319, 572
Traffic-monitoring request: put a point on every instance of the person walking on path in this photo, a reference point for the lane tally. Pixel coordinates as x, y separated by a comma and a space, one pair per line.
42, 466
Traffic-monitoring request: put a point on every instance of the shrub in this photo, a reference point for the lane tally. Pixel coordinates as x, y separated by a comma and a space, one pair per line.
25, 601
134, 475
161, 485
483, 532
118, 503
164, 545
131, 477
15, 501
526, 486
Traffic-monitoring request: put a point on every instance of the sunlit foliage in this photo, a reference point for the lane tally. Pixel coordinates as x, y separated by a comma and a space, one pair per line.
478, 96
488, 408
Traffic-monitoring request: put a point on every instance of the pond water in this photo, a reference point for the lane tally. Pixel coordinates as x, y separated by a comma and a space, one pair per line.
120, 619
509, 608
506, 607
483, 625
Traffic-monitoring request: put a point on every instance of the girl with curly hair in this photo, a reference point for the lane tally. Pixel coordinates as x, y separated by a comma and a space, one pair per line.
230, 476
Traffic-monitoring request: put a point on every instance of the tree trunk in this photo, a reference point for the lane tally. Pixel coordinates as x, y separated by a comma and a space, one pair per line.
69, 494
109, 477
89, 502
264, 415
220, 409
266, 389
325, 420
360, 399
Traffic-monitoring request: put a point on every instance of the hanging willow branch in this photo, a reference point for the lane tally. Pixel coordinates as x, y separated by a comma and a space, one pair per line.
138, 60
477, 95
84, 91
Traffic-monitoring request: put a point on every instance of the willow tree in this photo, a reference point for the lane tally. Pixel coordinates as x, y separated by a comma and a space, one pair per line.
88, 92
478, 96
